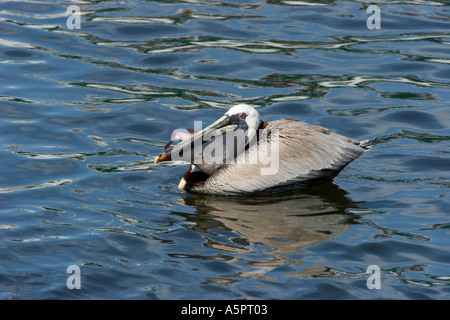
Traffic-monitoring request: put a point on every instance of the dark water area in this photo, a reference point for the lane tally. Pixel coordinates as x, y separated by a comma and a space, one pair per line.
83, 112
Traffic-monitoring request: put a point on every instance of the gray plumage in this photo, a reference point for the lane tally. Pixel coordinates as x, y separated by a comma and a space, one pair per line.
307, 154
277, 155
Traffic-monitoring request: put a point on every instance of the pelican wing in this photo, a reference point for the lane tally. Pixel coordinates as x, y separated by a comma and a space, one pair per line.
289, 153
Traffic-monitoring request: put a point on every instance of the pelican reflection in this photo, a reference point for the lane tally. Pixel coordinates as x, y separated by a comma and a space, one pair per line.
284, 223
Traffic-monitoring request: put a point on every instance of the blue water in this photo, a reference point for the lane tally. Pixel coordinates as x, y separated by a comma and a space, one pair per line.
84, 111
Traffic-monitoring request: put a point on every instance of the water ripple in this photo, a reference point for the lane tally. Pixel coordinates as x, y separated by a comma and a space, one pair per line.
46, 184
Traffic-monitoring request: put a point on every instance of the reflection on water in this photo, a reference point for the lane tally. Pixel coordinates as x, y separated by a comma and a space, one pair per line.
286, 223
84, 111
283, 223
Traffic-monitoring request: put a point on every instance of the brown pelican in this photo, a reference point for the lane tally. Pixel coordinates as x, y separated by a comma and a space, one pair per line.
241, 154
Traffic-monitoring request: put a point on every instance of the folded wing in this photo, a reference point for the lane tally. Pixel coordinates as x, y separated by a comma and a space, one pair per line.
289, 153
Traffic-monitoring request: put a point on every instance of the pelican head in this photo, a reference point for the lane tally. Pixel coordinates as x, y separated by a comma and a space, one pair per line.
245, 117
241, 120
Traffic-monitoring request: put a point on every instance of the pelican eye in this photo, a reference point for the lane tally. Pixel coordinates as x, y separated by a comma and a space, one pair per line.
242, 115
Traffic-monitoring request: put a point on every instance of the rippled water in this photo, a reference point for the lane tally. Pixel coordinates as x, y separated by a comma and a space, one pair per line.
84, 111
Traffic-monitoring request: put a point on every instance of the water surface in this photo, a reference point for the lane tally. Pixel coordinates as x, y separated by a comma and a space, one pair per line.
84, 111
